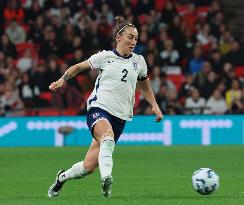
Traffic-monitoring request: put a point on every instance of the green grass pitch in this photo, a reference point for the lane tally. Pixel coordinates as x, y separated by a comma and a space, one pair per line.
142, 175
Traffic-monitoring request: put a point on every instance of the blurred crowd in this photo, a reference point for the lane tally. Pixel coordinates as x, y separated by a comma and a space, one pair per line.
195, 64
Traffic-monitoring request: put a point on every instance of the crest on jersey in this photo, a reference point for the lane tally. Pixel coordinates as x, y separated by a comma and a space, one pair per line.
134, 64
95, 115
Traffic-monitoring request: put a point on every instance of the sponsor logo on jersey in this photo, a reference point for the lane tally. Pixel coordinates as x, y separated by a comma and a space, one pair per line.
134, 64
109, 61
95, 115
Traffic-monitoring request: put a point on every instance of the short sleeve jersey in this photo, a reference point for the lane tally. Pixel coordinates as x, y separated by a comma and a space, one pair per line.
115, 86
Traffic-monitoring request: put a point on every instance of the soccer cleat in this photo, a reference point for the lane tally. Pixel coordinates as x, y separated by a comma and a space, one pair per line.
54, 190
106, 185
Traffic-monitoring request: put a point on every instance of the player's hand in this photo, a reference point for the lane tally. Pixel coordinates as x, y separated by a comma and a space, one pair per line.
57, 84
158, 113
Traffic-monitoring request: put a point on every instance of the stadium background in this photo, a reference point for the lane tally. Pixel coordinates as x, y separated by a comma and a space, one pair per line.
195, 63
194, 53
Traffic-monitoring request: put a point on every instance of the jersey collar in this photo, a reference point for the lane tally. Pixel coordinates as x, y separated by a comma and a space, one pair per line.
116, 53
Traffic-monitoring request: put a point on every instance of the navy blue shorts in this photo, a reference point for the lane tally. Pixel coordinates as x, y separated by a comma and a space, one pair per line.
95, 113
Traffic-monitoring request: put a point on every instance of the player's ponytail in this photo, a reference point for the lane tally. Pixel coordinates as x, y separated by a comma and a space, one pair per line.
120, 24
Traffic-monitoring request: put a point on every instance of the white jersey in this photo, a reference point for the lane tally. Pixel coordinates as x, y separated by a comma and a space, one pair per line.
115, 86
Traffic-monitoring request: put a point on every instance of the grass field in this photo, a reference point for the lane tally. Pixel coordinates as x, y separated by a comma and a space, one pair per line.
142, 175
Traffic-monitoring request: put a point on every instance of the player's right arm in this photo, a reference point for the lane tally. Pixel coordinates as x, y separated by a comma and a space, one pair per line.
70, 73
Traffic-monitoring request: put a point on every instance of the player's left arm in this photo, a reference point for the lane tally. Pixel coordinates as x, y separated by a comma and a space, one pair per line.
147, 92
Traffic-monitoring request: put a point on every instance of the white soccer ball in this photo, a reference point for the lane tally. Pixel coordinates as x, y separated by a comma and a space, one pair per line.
205, 181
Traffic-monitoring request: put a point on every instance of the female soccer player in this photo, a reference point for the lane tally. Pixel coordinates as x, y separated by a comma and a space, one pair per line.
110, 104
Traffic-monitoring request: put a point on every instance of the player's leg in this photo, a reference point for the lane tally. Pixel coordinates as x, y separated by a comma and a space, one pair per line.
77, 171
83, 168
91, 159
103, 132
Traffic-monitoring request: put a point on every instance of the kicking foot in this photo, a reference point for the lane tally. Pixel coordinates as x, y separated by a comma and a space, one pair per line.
54, 190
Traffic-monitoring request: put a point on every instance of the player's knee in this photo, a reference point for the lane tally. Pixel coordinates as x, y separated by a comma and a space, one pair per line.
108, 135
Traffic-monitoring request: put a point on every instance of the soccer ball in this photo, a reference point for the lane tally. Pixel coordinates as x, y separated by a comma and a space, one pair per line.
205, 181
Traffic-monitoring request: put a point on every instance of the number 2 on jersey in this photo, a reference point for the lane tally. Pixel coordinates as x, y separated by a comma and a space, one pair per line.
125, 75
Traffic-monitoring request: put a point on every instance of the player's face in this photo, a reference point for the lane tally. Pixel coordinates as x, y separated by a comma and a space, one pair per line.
127, 40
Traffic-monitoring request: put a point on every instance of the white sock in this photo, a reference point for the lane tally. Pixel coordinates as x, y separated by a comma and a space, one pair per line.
105, 156
75, 172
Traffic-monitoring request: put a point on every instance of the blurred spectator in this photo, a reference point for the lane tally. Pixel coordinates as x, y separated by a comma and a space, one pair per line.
161, 97
90, 39
104, 33
36, 30
194, 104
212, 11
209, 84
197, 60
170, 56
216, 104
69, 33
77, 44
216, 62
152, 22
240, 103
33, 12
10, 100
189, 42
144, 108
53, 72
106, 11
228, 75
186, 87
235, 56
16, 33
190, 17
225, 42
168, 12
39, 76
202, 76
159, 5
177, 35
78, 57
28, 92
155, 79
152, 47
162, 36
221, 86
57, 26
163, 78
50, 47
215, 23
142, 44
13, 11
55, 7
173, 105
203, 35
233, 96
151, 60
144, 7
25, 62
7, 46
3, 63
